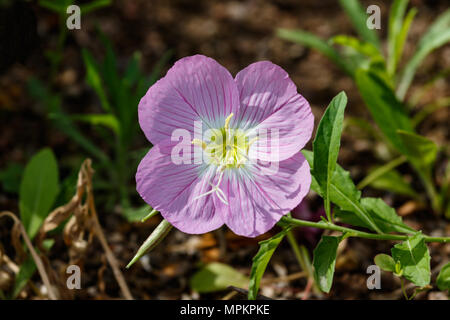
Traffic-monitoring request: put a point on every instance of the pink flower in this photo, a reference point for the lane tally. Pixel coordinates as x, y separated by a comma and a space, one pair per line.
244, 179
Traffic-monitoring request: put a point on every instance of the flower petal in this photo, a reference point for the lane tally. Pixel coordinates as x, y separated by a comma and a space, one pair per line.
270, 103
257, 200
171, 188
196, 88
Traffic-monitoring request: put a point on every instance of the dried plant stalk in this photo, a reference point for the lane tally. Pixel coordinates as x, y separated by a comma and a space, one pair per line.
37, 260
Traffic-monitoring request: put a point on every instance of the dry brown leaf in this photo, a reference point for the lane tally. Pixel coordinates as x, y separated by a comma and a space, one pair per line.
82, 225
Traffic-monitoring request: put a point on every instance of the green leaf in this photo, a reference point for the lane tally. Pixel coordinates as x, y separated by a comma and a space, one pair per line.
109, 70
429, 109
394, 182
261, 260
365, 48
312, 41
378, 216
343, 192
94, 5
26, 271
108, 120
155, 238
420, 151
443, 279
387, 111
414, 259
93, 77
402, 35
10, 177
437, 35
324, 262
217, 277
375, 173
396, 15
401, 38
359, 17
136, 214
56, 6
385, 216
132, 72
385, 262
326, 145
38, 190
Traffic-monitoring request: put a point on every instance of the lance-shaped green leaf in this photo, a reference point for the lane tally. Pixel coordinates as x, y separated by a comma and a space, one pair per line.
155, 238
385, 262
26, 271
420, 151
107, 120
398, 38
38, 190
443, 279
261, 260
394, 182
437, 35
396, 15
414, 259
378, 209
311, 41
365, 48
387, 178
326, 145
94, 5
324, 262
384, 217
93, 77
217, 277
343, 192
388, 112
358, 18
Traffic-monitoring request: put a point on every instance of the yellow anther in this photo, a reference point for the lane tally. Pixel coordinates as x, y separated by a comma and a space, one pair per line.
199, 142
227, 121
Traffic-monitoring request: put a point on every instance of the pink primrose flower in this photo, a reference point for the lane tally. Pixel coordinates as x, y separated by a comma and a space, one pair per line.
226, 151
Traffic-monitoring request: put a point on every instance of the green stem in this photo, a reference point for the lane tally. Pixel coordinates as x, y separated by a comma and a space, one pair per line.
432, 193
356, 233
302, 257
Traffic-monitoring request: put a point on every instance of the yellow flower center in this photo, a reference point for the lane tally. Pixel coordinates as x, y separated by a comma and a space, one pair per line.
226, 147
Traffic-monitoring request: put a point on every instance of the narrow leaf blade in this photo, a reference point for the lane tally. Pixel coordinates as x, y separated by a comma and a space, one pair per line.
359, 17
324, 262
261, 260
387, 111
312, 41
326, 145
